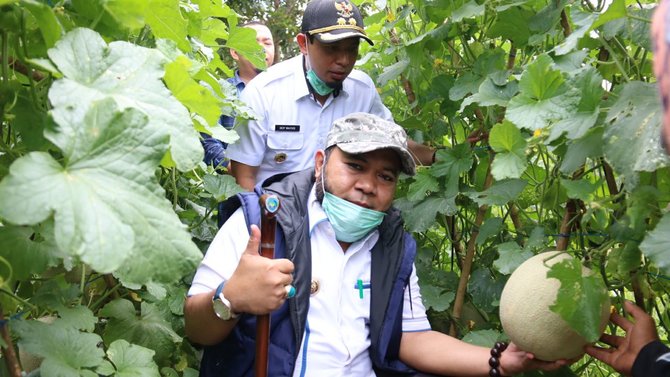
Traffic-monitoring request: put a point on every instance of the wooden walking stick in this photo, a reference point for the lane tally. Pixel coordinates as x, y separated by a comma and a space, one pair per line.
269, 207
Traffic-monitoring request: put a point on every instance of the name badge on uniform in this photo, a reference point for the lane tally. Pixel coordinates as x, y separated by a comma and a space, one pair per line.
287, 128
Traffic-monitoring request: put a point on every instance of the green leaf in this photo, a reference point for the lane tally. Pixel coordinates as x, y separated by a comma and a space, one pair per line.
66, 351
166, 21
224, 134
424, 183
491, 227
392, 72
632, 137
421, 216
655, 244
437, 298
25, 255
193, 95
482, 338
588, 146
451, 162
148, 328
510, 257
30, 122
243, 40
574, 126
49, 26
583, 22
512, 24
138, 238
490, 94
212, 8
129, 360
484, 289
129, 13
581, 189
468, 10
212, 31
510, 160
542, 96
500, 193
130, 75
78, 317
615, 11
464, 85
221, 186
580, 298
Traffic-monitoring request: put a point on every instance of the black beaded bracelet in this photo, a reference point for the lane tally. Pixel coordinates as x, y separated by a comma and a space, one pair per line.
494, 361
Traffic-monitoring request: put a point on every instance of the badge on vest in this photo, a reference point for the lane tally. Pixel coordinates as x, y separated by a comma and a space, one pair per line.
287, 128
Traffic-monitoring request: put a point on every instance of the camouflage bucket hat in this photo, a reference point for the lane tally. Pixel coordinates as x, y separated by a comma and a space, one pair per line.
362, 133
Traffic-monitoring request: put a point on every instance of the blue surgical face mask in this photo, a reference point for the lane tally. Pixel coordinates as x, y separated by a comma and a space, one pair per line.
319, 86
350, 221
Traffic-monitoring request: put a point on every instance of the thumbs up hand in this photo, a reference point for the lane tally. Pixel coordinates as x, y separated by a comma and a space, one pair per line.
258, 284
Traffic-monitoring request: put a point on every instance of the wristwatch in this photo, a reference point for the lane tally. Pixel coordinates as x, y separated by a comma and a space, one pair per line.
221, 305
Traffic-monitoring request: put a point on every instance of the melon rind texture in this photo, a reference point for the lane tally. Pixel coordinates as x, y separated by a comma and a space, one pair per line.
526, 317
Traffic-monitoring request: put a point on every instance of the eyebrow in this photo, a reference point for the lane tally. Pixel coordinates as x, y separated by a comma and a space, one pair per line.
361, 157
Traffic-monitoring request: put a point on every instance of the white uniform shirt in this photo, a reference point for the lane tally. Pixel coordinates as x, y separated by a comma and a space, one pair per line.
337, 333
292, 125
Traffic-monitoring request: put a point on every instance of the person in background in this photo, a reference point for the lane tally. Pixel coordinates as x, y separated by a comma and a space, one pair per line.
215, 150
299, 99
640, 353
343, 294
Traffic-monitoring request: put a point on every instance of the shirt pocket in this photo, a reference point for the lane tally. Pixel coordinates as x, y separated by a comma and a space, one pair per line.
289, 141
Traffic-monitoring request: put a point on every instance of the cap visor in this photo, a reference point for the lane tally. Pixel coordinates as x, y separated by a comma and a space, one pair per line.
331, 37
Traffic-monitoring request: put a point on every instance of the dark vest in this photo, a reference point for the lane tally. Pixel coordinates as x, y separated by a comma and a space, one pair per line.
392, 261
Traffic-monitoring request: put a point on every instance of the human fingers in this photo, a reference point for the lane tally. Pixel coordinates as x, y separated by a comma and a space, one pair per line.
254, 241
603, 354
636, 312
284, 266
620, 321
612, 340
534, 363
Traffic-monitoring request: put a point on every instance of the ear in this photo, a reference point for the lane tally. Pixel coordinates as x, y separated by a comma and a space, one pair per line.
233, 53
319, 158
302, 42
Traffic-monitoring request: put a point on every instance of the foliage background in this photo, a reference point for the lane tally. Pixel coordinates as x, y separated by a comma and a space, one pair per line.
545, 111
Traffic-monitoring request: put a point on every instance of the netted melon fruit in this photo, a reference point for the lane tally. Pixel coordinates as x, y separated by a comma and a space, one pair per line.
526, 317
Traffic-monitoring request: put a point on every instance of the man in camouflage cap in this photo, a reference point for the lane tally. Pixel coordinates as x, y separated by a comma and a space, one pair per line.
344, 295
362, 132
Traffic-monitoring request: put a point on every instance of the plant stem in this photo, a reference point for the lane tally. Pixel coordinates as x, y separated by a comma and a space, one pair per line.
4, 46
469, 257
9, 354
17, 298
175, 194
103, 298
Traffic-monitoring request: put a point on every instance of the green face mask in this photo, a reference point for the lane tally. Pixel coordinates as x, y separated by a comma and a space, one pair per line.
350, 221
319, 86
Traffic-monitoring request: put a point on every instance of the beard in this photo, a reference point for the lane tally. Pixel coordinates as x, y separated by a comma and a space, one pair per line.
319, 189
336, 85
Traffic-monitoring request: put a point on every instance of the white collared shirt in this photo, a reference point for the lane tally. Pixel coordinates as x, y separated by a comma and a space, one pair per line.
292, 125
337, 334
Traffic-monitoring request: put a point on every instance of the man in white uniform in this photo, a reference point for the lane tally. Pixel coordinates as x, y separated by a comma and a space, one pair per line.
298, 100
